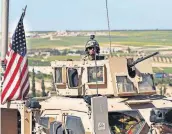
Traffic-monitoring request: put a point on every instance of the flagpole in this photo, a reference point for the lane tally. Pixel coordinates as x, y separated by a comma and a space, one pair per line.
4, 37
5, 21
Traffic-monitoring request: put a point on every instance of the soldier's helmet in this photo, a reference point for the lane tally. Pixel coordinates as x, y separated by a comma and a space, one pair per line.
92, 44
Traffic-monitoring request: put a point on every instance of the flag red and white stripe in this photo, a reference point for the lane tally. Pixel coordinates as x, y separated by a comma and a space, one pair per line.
16, 77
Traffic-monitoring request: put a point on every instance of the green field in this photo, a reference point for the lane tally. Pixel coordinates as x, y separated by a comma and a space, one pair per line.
130, 38
168, 70
165, 70
53, 58
39, 61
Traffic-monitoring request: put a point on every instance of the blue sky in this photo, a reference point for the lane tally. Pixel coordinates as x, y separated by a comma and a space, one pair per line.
91, 14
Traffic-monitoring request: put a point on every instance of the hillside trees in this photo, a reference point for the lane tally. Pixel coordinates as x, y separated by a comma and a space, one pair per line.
43, 87
33, 84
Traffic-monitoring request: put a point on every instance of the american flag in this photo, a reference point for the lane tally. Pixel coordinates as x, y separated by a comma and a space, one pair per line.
16, 77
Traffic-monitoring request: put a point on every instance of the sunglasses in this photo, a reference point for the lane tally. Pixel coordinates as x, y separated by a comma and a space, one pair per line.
90, 48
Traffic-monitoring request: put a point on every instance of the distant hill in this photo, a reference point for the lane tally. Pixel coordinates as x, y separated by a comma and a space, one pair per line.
105, 30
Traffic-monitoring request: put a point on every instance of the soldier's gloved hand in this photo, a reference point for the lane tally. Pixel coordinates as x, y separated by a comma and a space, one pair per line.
100, 74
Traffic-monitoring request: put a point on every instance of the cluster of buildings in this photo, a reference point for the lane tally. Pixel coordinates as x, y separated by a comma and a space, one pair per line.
72, 33
60, 33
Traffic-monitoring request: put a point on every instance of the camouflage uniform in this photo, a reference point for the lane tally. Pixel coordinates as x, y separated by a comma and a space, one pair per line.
93, 44
90, 58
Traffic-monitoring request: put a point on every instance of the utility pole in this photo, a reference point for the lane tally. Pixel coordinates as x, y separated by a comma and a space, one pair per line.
4, 37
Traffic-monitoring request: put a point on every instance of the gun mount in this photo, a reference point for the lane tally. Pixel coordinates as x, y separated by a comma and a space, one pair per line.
131, 64
141, 59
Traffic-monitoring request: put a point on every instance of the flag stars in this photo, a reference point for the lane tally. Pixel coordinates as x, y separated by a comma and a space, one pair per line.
18, 41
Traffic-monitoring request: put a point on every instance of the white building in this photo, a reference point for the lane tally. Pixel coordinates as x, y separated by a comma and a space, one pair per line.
107, 50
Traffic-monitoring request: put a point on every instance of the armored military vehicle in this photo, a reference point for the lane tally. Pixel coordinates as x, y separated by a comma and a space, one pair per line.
96, 95
114, 95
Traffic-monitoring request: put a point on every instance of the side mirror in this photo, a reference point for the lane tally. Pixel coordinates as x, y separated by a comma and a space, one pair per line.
31, 103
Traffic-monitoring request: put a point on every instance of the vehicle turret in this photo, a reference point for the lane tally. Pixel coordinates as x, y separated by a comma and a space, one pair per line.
116, 76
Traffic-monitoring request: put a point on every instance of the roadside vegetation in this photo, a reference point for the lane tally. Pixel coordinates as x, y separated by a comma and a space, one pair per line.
162, 70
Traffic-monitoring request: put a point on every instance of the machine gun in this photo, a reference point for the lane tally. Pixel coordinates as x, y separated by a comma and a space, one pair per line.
131, 63
141, 59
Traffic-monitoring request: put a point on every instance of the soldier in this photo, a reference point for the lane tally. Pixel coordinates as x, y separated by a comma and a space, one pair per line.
92, 49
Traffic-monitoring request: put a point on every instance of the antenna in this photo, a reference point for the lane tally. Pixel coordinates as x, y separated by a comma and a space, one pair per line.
108, 27
95, 58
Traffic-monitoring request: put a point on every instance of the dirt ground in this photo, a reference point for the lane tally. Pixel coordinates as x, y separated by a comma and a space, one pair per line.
38, 85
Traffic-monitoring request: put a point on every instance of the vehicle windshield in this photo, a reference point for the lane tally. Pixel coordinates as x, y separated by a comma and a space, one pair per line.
129, 122
92, 74
73, 77
58, 75
147, 82
124, 84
